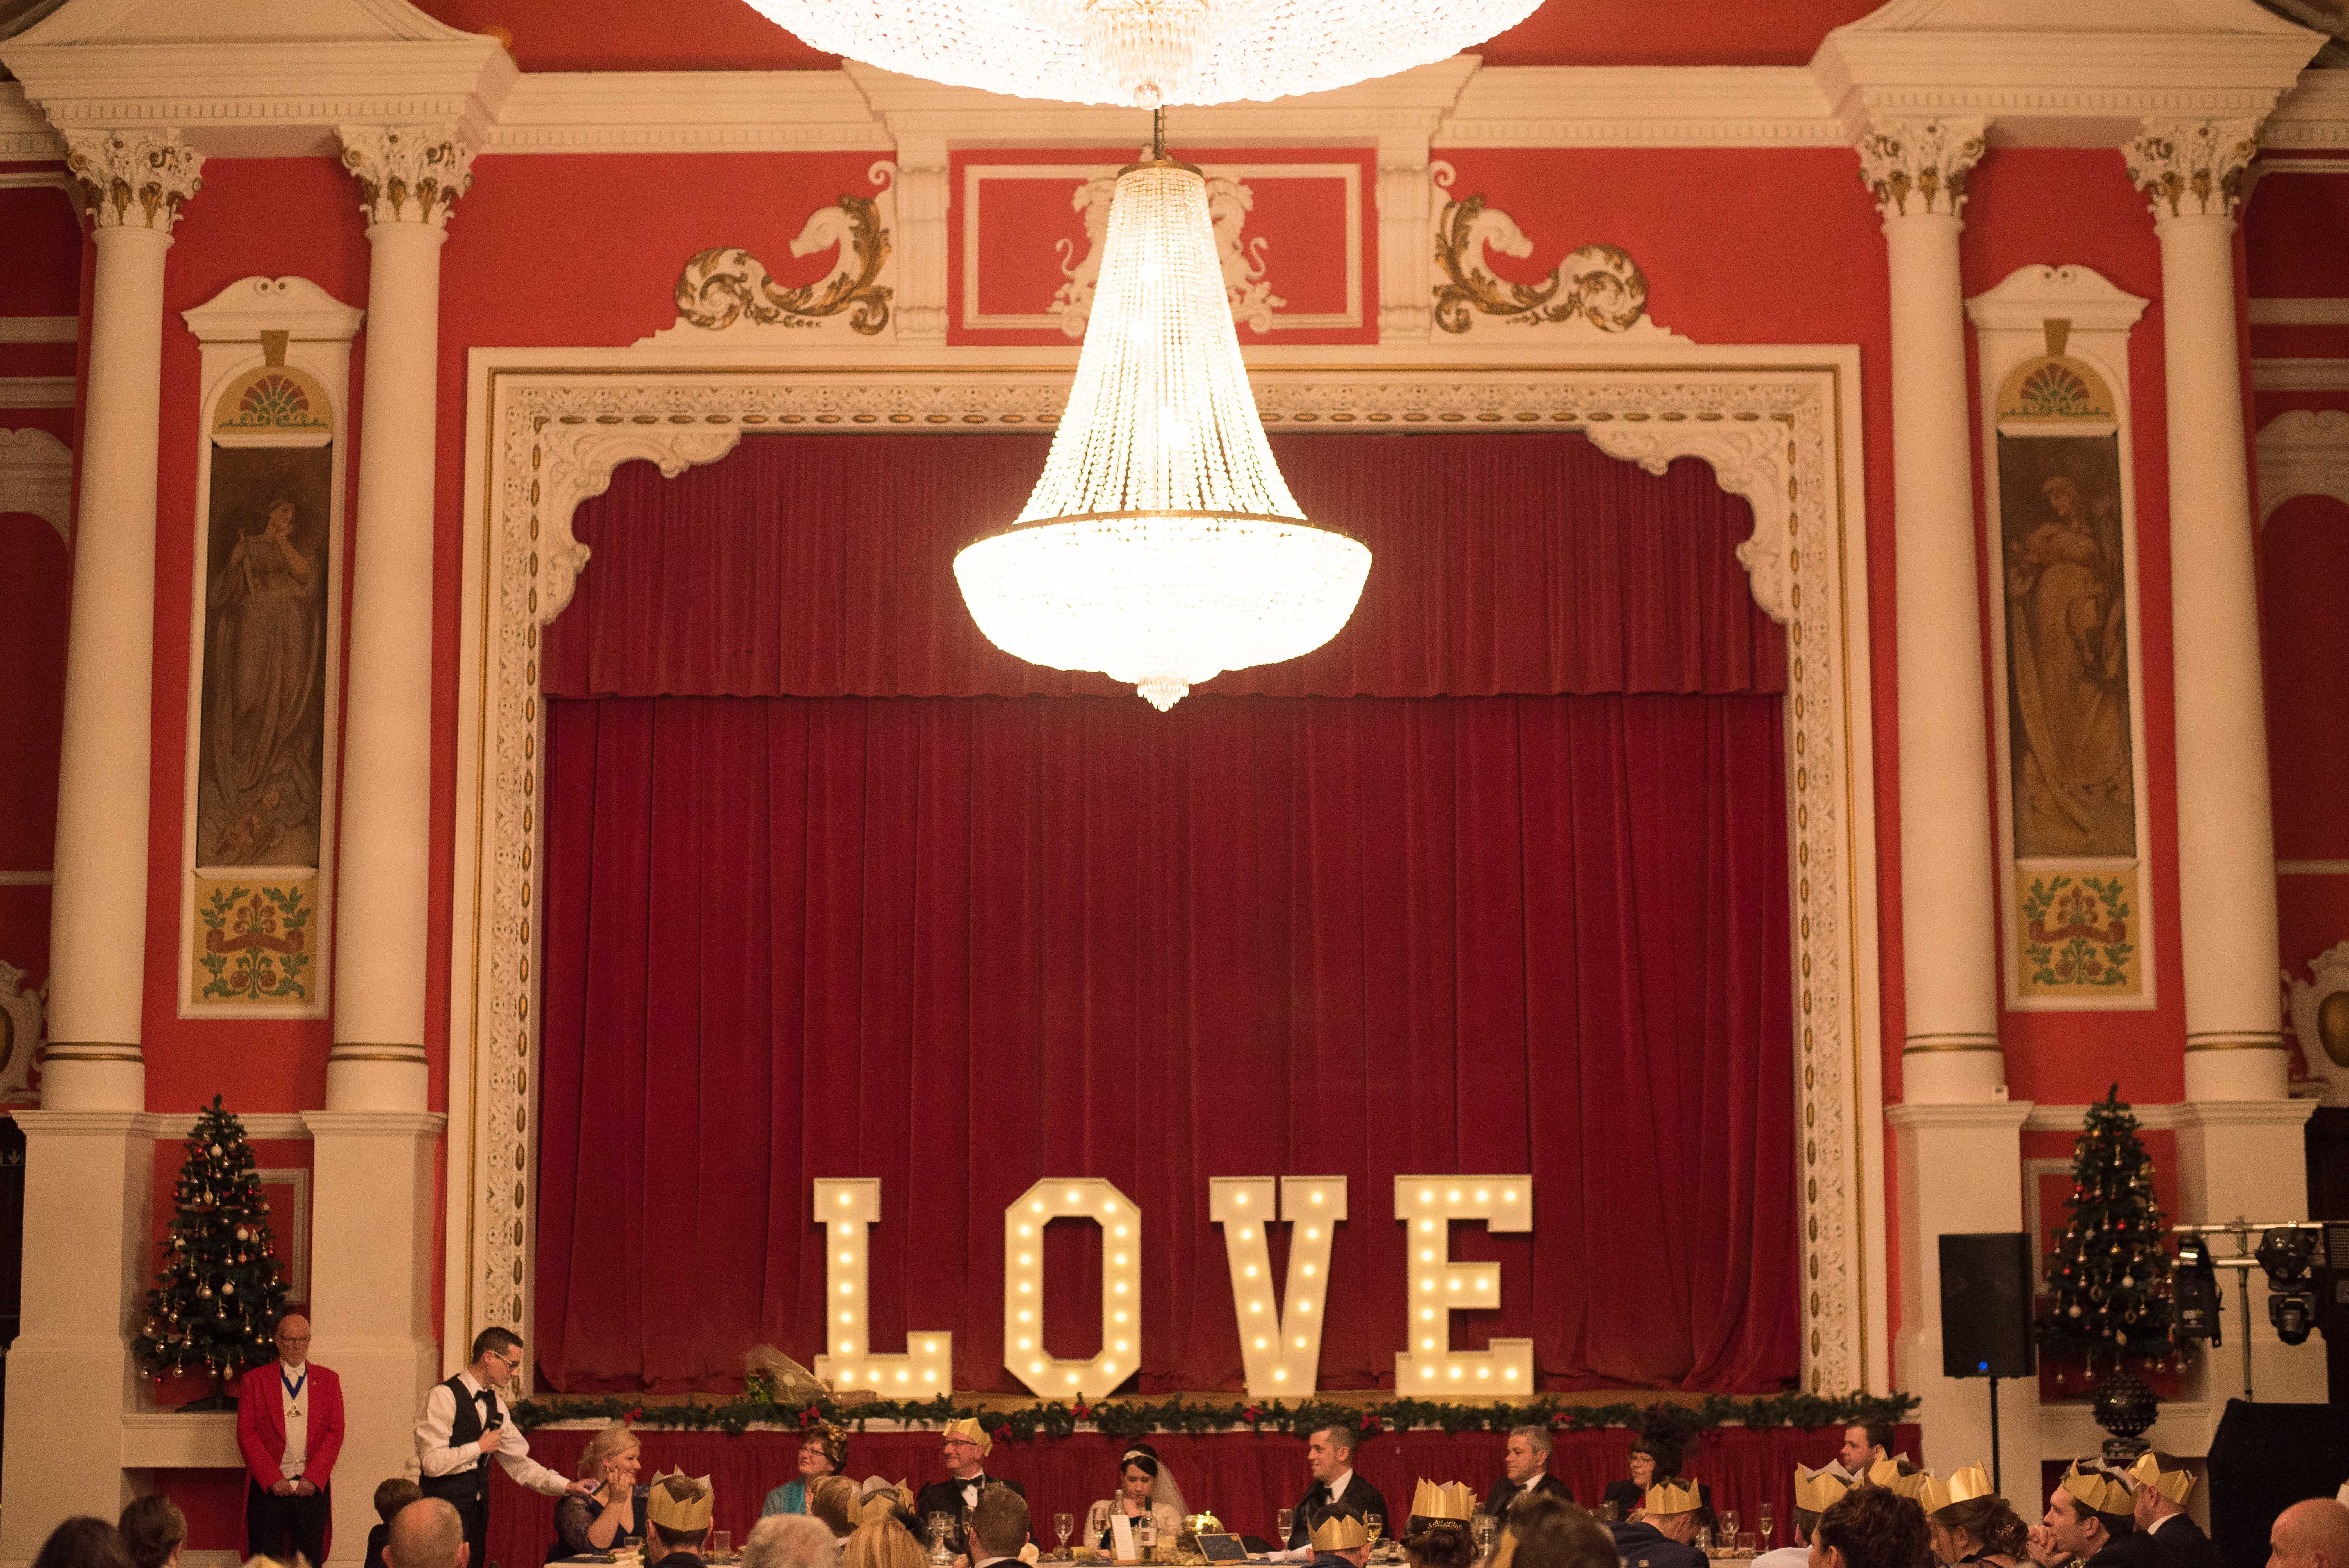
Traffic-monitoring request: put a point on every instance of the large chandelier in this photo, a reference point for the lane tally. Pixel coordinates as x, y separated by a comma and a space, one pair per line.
1146, 53
1162, 545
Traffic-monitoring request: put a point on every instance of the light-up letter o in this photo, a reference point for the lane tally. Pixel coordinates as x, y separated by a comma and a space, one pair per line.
1024, 1351
845, 1208
1438, 1286
1281, 1340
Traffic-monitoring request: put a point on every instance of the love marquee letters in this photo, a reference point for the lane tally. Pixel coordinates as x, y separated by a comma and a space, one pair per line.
1281, 1339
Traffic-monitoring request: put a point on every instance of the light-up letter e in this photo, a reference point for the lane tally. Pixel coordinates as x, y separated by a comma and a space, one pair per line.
845, 1208
1280, 1341
1438, 1286
1024, 1351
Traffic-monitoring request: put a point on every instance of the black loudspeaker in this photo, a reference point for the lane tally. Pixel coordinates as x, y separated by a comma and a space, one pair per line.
1986, 1305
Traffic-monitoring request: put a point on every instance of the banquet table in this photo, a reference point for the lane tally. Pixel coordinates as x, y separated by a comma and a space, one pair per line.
1242, 1477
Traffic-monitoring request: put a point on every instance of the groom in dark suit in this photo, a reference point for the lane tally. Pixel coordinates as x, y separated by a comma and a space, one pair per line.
965, 1451
1329, 1453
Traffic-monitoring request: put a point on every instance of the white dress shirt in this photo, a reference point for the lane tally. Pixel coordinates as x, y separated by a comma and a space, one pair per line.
439, 1419
1339, 1483
296, 1402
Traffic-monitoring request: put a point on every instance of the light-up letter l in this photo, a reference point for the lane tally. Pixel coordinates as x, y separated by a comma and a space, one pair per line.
845, 1209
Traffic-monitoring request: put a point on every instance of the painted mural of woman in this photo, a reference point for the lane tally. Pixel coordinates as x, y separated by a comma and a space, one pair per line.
261, 714
2068, 669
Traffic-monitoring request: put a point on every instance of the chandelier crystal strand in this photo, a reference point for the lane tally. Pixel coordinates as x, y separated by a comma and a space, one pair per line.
1162, 546
1143, 52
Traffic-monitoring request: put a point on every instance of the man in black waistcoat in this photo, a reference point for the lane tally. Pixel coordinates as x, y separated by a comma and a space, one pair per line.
965, 1450
1329, 1455
464, 1424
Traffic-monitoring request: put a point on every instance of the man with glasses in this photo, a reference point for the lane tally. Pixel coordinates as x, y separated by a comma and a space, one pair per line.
289, 1427
464, 1424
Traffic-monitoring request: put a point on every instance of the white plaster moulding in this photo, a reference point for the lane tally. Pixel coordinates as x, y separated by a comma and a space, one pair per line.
546, 428
2300, 374
2301, 312
258, 1124
2072, 1118
36, 391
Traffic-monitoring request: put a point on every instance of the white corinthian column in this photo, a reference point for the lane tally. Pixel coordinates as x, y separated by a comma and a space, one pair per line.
2239, 1136
1957, 1141
89, 1151
371, 1269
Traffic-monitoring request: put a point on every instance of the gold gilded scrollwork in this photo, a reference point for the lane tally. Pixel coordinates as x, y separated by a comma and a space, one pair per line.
1599, 284
725, 284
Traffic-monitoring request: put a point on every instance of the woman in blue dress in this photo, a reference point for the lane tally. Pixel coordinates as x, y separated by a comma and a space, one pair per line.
823, 1450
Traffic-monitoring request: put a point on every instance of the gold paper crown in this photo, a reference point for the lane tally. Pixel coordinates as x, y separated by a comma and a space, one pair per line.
1339, 1532
1887, 1473
880, 1502
1451, 1499
969, 1428
2106, 1490
2176, 1485
1676, 1496
1964, 1487
1816, 1491
681, 1503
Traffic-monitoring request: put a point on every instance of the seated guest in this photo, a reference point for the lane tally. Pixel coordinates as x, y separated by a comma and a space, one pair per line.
2310, 1535
390, 1497
1137, 1477
1525, 1469
153, 1531
1872, 1527
1437, 1535
1654, 1458
1666, 1527
998, 1526
965, 1451
1330, 1456
832, 1499
1815, 1492
1545, 1531
1864, 1443
1972, 1523
790, 1540
823, 1450
2092, 1512
589, 1521
427, 1534
881, 1541
84, 1543
1341, 1541
2163, 1485
679, 1509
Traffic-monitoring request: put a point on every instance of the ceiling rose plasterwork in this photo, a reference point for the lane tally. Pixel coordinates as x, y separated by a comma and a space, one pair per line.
1597, 292
554, 438
725, 290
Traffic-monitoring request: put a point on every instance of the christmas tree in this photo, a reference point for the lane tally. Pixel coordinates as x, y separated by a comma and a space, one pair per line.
2109, 1273
218, 1294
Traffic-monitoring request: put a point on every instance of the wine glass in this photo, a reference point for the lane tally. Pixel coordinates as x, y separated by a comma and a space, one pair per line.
1376, 1524
1283, 1521
1066, 1525
1097, 1520
1769, 1523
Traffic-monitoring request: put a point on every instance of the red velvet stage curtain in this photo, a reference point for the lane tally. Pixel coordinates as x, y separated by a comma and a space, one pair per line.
965, 943
1240, 1477
1528, 564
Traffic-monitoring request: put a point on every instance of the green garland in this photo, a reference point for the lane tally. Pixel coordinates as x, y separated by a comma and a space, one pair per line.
1027, 1423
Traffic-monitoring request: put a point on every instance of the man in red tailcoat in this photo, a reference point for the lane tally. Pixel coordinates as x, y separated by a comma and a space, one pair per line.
289, 1427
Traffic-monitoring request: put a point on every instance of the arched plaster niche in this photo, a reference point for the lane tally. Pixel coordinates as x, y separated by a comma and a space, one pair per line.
36, 477
2304, 453
1784, 438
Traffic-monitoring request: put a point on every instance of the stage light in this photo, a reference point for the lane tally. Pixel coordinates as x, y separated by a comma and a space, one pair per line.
2288, 1255
1278, 1356
1092, 1201
1513, 1358
2194, 1288
850, 1207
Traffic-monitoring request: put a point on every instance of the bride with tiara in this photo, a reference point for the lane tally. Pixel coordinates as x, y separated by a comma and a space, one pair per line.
1144, 1485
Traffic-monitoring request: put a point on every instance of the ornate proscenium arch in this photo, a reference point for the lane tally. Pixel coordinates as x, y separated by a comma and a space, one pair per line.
544, 441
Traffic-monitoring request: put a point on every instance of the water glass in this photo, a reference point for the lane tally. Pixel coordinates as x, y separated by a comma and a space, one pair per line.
1728, 1525
1484, 1528
721, 1545
1704, 1540
1609, 1514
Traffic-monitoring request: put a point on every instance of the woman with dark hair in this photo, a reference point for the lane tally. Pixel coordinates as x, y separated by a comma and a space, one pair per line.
1972, 1523
153, 1531
1138, 1480
82, 1542
1440, 1543
1872, 1527
1655, 1459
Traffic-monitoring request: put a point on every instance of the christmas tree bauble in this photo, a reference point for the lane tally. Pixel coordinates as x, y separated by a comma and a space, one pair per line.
216, 1150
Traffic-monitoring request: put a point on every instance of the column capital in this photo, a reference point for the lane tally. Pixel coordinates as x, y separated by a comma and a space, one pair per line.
2191, 167
1918, 166
408, 173
137, 179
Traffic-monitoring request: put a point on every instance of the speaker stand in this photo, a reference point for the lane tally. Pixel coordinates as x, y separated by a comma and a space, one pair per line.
1997, 1477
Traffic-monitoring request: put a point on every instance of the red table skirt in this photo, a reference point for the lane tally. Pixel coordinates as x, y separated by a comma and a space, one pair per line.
1238, 1476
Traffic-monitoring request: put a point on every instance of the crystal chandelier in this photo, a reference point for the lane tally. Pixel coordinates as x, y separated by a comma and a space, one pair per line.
1162, 545
1146, 53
